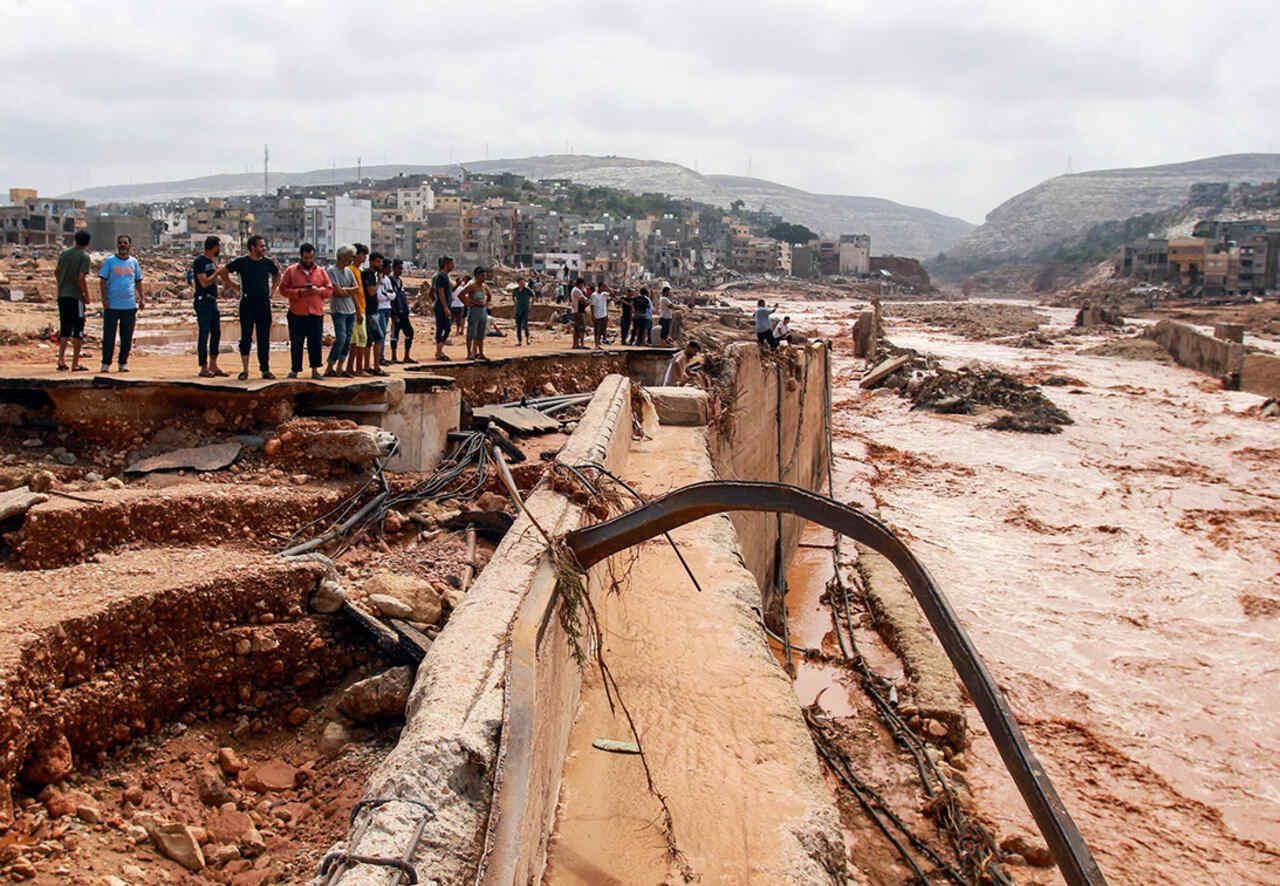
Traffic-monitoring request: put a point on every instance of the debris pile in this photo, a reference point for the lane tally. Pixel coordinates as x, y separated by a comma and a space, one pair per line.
972, 320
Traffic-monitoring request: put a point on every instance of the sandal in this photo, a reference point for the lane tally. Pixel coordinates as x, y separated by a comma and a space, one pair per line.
220, 374
244, 376
204, 373
62, 367
79, 368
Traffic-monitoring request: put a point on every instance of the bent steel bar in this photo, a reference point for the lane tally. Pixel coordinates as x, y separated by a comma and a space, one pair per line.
594, 543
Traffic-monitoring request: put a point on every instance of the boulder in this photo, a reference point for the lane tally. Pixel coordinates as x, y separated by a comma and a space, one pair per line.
379, 697
50, 763
231, 827
392, 607
210, 787
328, 597
274, 775
1033, 849
420, 596
179, 843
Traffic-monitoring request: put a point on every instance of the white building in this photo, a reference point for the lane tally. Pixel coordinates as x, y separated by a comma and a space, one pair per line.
855, 254
556, 262
416, 202
329, 223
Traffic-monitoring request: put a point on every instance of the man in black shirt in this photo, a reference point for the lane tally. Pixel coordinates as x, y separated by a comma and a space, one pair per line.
259, 279
205, 273
441, 299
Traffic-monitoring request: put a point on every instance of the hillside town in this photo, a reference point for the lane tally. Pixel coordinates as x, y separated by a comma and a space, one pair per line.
551, 226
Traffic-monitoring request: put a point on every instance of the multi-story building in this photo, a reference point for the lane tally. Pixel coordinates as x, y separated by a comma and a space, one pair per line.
416, 202
441, 236
32, 220
105, 227
761, 255
854, 254
803, 261
1146, 259
232, 223
331, 222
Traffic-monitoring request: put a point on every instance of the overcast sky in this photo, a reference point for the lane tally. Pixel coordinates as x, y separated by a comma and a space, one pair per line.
951, 106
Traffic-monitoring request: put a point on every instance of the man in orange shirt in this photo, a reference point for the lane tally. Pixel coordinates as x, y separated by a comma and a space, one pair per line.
306, 286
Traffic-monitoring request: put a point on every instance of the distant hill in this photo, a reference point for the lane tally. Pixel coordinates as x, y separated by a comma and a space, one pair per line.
894, 228
1066, 207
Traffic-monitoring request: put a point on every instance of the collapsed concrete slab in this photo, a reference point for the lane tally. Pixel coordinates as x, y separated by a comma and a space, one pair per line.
687, 407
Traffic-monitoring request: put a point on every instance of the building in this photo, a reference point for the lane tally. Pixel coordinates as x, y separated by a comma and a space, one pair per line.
560, 264
233, 224
331, 222
1146, 259
416, 202
761, 255
32, 220
804, 261
442, 235
854, 254
104, 228
826, 257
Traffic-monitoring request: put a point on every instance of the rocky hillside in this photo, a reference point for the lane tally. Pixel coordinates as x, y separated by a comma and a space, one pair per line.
1068, 205
894, 228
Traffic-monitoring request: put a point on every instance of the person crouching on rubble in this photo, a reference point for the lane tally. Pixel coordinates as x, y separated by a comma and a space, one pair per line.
307, 287
679, 366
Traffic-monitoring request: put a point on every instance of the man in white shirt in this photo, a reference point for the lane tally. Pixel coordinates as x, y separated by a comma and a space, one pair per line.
666, 310
782, 331
678, 367
599, 314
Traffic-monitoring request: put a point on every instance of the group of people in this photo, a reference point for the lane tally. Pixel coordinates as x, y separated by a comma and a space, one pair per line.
363, 291
636, 311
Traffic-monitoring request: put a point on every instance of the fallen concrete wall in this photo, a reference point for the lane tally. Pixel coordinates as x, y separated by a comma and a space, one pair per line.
449, 749
1196, 350
1260, 374
772, 429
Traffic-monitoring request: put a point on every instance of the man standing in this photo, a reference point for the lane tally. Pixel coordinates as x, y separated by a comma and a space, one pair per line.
306, 286
357, 355
205, 273
626, 305
342, 309
642, 323
578, 303
370, 278
386, 296
72, 275
259, 280
666, 310
400, 321
122, 296
475, 295
764, 325
599, 315
522, 297
441, 303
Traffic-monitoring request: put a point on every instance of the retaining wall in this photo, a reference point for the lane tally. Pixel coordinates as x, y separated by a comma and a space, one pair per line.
449, 749
1260, 374
772, 429
1197, 351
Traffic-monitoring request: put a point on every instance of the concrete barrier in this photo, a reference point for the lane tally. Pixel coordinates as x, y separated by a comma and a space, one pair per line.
773, 430
1260, 374
1196, 350
448, 754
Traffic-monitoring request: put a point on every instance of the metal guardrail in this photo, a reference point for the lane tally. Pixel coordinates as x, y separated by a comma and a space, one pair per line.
602, 540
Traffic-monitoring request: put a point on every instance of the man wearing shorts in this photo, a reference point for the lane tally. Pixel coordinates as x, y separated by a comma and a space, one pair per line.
358, 353
578, 303
259, 279
72, 275
475, 295
666, 311
441, 304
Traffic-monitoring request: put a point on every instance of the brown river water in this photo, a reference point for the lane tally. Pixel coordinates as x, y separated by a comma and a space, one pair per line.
1121, 579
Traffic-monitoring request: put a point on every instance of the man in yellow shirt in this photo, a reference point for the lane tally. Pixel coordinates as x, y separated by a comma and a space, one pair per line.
358, 358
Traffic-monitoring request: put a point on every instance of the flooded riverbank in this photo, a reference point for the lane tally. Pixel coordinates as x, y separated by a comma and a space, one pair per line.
1120, 578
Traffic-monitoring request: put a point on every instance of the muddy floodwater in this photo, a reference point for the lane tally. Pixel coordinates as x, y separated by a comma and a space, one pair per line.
1122, 580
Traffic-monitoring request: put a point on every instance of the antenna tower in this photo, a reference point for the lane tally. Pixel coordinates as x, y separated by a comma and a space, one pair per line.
266, 165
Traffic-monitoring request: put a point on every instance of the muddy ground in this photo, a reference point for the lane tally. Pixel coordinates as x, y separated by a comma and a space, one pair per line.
1121, 579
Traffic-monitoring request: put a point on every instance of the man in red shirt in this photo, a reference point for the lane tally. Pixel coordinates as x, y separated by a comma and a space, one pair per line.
306, 286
